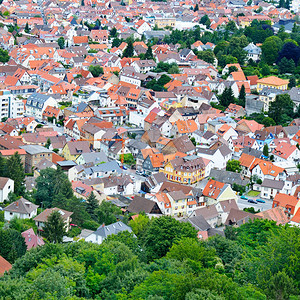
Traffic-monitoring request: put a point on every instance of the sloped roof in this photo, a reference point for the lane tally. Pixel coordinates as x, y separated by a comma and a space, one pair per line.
21, 206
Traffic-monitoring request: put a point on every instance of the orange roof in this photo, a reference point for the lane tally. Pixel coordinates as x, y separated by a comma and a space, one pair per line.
253, 79
223, 129
233, 108
246, 160
80, 39
213, 188
267, 167
162, 197
286, 200
5, 266
238, 76
296, 217
12, 152
275, 214
148, 151
273, 80
151, 117
251, 124
56, 158
157, 160
284, 150
172, 156
186, 126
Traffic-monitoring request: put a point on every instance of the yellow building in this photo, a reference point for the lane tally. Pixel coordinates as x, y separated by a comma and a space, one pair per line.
72, 150
186, 170
164, 22
272, 82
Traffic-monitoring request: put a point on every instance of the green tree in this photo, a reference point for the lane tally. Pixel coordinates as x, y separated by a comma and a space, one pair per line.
139, 224
200, 294
107, 213
61, 42
149, 53
162, 233
196, 8
27, 28
205, 21
3, 162
286, 66
92, 205
116, 42
114, 32
281, 286
233, 166
128, 158
207, 56
266, 150
48, 143
242, 96
282, 109
129, 50
227, 97
270, 49
96, 70
265, 70
54, 228
52, 184
15, 171
292, 82
12, 244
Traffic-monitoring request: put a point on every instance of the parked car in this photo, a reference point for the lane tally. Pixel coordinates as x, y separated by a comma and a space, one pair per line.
58, 125
260, 201
244, 197
138, 172
124, 167
252, 201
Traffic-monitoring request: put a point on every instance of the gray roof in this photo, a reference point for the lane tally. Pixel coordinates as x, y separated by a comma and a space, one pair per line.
208, 212
21, 206
140, 204
239, 217
228, 177
254, 152
35, 149
291, 130
295, 94
273, 184
115, 228
37, 100
94, 157
198, 222
106, 167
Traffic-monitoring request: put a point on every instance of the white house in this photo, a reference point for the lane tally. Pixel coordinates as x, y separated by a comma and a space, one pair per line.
6, 186
22, 209
37, 103
98, 236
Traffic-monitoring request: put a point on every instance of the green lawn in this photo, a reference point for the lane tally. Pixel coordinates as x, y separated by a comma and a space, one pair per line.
253, 193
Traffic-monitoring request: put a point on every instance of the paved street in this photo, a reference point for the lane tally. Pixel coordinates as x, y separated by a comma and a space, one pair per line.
132, 173
262, 206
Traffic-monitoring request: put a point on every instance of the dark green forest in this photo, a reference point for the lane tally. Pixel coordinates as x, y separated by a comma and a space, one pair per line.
165, 260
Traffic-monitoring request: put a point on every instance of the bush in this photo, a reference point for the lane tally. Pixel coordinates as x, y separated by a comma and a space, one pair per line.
92, 225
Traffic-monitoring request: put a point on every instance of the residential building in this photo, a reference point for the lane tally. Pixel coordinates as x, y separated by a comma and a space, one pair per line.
98, 236
37, 103
32, 240
6, 187
216, 191
187, 170
43, 216
290, 204
21, 209
272, 82
34, 155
